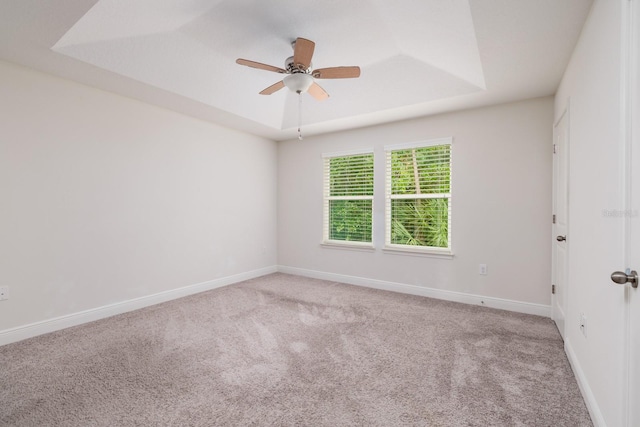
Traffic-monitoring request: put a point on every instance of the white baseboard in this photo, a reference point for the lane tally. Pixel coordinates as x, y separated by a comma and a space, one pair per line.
50, 325
587, 394
503, 304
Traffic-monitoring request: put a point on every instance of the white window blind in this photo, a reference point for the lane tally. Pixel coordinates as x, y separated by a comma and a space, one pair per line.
418, 195
348, 198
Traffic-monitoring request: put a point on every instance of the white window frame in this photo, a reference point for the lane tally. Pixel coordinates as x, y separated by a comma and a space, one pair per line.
410, 249
348, 244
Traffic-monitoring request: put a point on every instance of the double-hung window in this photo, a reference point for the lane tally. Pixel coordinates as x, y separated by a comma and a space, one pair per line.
418, 196
348, 198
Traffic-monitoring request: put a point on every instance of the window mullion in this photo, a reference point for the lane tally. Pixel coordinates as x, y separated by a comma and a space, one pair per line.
421, 196
349, 197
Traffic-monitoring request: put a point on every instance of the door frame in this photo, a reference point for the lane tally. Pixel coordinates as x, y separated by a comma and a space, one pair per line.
630, 106
566, 116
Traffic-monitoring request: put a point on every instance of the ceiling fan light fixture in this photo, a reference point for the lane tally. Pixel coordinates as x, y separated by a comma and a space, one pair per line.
298, 82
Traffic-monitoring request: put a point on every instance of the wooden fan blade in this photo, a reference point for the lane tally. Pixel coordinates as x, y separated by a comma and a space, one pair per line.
273, 88
337, 73
259, 65
317, 92
303, 53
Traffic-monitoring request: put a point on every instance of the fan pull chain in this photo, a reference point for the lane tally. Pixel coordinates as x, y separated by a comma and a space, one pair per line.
299, 116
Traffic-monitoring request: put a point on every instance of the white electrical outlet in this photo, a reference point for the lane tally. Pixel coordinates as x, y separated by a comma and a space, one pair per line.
4, 293
583, 324
483, 269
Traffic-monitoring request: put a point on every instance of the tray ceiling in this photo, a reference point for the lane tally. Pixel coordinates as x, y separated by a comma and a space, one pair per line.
417, 57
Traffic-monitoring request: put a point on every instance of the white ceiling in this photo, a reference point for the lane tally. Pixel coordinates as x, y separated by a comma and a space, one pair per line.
417, 57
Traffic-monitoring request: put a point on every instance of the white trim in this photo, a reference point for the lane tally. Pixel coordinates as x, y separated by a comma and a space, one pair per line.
51, 325
425, 251
419, 144
628, 63
554, 202
346, 244
563, 113
345, 153
589, 399
503, 304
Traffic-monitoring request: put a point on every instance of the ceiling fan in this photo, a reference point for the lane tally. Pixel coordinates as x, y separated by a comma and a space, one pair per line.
300, 76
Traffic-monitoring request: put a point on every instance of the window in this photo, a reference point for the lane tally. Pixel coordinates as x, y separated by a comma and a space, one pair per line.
418, 196
348, 198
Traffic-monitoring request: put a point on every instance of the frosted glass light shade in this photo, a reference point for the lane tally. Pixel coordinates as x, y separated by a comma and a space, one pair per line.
299, 82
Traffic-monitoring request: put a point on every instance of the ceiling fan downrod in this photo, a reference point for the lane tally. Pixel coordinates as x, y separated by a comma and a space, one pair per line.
299, 116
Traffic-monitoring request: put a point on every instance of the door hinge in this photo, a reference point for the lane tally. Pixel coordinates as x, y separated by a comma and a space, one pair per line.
553, 219
555, 148
553, 289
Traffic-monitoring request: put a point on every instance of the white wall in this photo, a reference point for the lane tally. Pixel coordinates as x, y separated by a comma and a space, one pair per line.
501, 203
591, 85
105, 199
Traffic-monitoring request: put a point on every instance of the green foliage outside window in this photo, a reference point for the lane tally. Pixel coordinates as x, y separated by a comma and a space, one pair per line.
350, 176
350, 220
420, 221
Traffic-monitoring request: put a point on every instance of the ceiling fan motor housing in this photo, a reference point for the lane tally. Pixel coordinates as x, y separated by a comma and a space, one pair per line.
291, 68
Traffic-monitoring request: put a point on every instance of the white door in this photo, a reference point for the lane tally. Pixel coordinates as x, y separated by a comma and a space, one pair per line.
633, 221
560, 209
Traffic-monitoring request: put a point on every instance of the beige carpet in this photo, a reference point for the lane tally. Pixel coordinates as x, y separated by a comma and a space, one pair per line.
286, 350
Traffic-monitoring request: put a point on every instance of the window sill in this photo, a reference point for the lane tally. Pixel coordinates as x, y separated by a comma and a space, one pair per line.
351, 246
429, 253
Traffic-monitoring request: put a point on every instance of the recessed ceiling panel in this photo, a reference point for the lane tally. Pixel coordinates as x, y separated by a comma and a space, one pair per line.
193, 71
118, 19
408, 80
263, 31
416, 56
189, 48
439, 33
